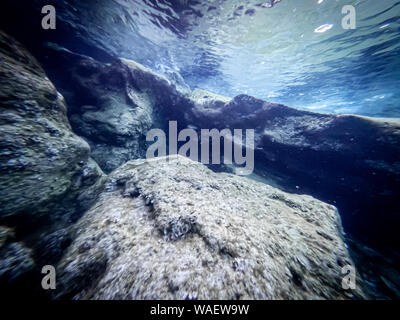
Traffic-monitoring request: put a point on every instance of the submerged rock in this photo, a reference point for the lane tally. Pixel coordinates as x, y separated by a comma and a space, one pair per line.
346, 160
112, 105
15, 259
177, 230
47, 177
40, 156
48, 181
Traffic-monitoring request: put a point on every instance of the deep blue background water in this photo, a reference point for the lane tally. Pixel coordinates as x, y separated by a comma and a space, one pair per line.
231, 47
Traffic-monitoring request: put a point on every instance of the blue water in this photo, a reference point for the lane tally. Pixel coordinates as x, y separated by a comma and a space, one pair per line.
273, 53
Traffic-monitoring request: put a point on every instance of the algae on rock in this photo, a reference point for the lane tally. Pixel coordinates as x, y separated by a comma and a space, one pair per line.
176, 230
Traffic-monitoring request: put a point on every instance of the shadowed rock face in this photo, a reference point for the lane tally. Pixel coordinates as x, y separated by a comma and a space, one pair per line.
112, 105
177, 230
47, 178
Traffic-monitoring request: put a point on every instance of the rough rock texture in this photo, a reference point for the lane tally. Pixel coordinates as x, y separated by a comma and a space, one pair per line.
164, 230
349, 161
15, 259
41, 158
47, 178
112, 105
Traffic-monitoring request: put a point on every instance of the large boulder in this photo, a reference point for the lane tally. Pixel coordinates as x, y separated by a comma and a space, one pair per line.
47, 178
41, 158
176, 230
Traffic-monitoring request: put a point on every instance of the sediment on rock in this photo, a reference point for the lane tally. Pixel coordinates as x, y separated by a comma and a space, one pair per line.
176, 230
49, 180
345, 160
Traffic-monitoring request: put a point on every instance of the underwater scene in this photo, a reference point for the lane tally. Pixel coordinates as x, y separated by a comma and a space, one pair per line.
200, 149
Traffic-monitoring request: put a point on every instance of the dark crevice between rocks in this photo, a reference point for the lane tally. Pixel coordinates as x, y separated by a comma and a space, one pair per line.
296, 277
84, 279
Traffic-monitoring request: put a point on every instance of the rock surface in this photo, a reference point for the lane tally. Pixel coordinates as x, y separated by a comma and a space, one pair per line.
345, 160
112, 105
41, 158
348, 161
15, 259
176, 230
47, 178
